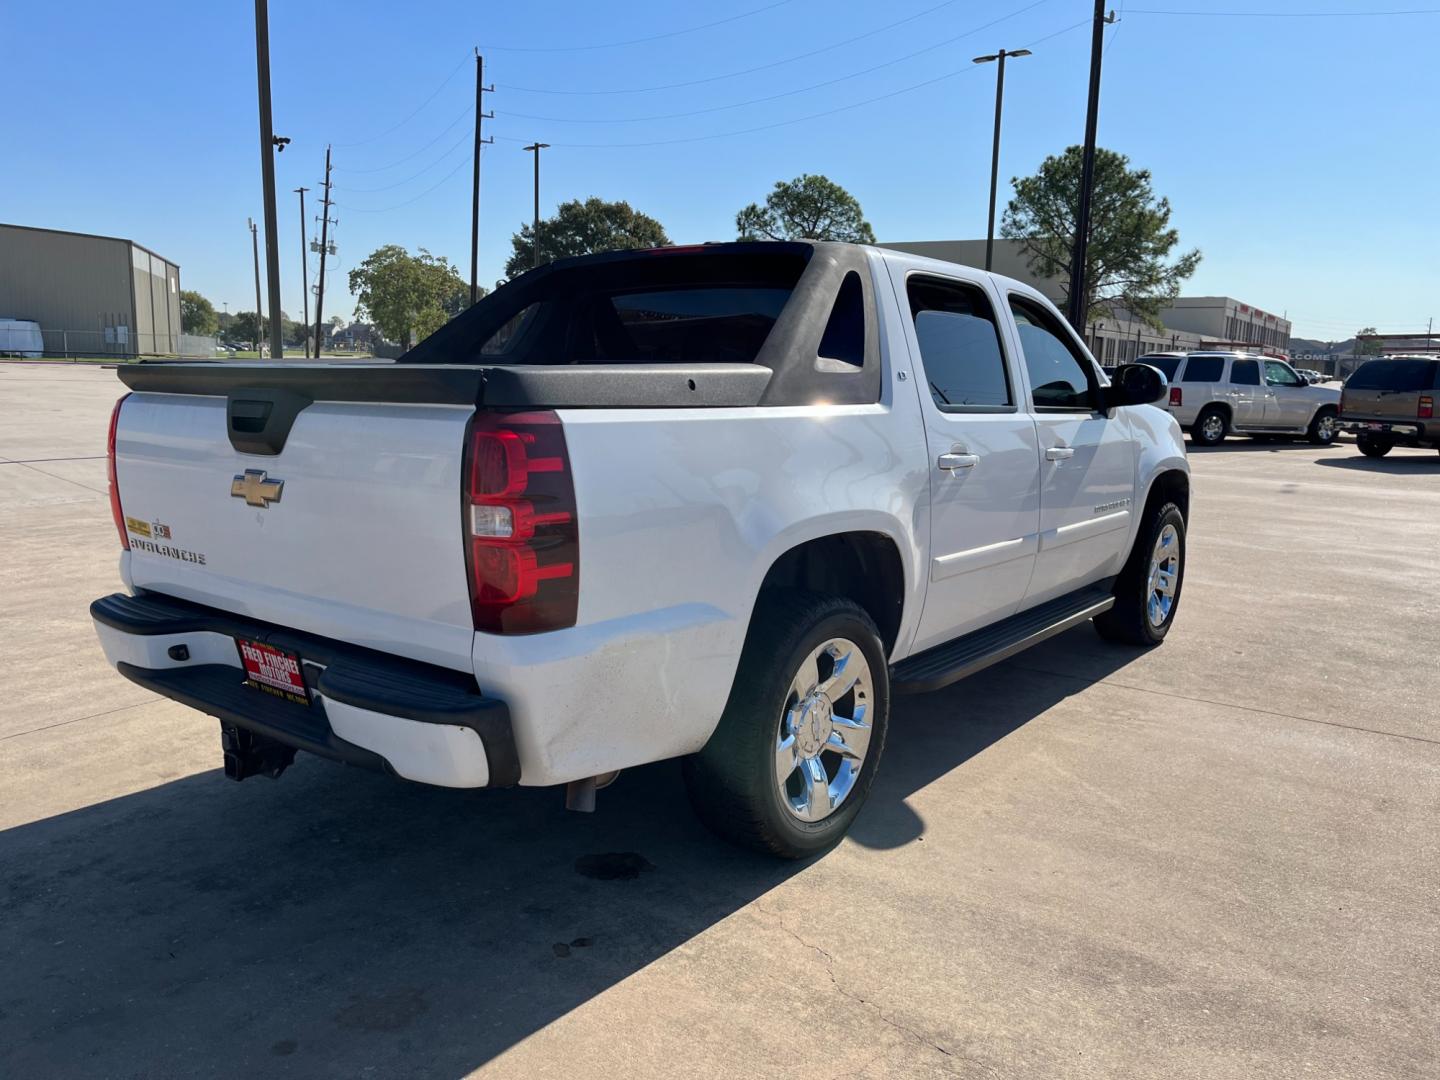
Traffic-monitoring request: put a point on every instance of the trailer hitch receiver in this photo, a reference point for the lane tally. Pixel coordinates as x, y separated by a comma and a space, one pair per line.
248, 754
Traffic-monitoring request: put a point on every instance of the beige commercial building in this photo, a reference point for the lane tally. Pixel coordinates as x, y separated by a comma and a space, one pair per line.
1200, 322
91, 295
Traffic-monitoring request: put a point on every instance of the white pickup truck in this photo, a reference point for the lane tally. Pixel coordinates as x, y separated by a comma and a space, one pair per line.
716, 503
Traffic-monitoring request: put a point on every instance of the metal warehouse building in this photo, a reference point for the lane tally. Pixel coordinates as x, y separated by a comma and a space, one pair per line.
91, 295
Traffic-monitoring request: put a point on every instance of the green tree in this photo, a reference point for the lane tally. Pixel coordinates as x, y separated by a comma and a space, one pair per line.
1366, 348
806, 208
292, 331
244, 326
407, 296
1131, 240
583, 228
197, 315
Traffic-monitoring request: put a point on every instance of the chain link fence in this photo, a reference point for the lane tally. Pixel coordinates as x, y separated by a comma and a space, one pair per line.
110, 343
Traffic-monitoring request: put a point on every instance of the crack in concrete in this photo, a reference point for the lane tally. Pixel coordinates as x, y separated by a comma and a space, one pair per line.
859, 999
55, 476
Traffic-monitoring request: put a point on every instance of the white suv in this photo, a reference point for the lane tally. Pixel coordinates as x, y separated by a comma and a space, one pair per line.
1213, 394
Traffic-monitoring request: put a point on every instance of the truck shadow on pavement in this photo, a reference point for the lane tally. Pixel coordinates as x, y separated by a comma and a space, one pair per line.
342, 923
1275, 444
1393, 466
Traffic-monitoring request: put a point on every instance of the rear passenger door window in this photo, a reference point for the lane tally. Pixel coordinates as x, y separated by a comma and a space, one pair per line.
960, 347
1061, 379
1245, 372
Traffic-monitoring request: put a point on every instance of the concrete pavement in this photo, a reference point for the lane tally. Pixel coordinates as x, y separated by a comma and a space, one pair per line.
1215, 859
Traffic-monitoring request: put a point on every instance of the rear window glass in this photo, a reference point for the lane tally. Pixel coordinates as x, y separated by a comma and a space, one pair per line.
1203, 369
725, 324
1401, 375
680, 307
1167, 364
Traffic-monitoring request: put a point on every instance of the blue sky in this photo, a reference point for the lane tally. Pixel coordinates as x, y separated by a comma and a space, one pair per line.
1299, 152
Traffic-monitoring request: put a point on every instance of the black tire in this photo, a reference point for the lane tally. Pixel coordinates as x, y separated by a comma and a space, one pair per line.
1320, 433
732, 781
1198, 433
1128, 622
1374, 447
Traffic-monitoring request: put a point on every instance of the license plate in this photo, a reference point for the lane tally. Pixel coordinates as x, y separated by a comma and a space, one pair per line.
273, 670
1377, 427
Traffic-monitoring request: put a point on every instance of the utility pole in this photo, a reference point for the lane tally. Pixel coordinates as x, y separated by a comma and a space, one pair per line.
535, 225
325, 224
268, 143
480, 114
259, 317
1078, 285
304, 274
995, 151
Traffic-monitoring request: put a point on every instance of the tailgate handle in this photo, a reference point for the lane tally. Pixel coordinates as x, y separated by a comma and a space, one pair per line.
258, 420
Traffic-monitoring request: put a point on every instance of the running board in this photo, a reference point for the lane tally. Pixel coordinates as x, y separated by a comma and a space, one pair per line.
954, 660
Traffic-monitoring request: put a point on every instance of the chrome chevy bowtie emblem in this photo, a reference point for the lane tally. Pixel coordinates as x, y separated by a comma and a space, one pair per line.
255, 489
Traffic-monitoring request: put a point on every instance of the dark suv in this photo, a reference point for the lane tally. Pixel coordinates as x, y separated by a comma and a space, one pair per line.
1391, 402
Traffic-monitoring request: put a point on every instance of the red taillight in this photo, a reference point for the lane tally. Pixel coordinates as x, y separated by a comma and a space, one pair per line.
114, 483
1427, 408
522, 545
1176, 398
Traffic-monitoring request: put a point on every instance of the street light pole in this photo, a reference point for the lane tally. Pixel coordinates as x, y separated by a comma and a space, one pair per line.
995, 151
535, 224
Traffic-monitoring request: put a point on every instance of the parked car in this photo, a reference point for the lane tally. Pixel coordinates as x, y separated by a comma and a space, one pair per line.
1217, 393
1310, 375
1391, 402
715, 502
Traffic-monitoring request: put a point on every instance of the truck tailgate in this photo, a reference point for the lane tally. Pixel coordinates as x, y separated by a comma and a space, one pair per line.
351, 531
1381, 404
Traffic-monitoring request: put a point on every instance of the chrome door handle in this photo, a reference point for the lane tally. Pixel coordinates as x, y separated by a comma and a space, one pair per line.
958, 461
1059, 453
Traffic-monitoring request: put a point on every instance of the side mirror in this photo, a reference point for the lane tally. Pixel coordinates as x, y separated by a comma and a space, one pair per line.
1135, 384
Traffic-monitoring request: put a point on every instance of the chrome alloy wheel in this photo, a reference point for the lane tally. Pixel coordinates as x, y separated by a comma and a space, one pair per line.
1325, 428
1164, 576
1213, 427
824, 730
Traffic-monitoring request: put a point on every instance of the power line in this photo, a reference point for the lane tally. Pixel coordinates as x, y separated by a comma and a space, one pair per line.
637, 41
440, 183
418, 109
796, 120
744, 71
786, 93
414, 154
464, 139
1289, 14
701, 138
